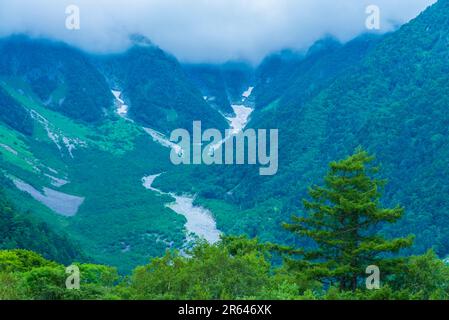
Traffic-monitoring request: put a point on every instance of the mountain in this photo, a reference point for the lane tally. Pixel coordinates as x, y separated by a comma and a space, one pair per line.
61, 77
159, 93
76, 162
257, 205
275, 74
289, 76
222, 85
15, 115
81, 136
386, 93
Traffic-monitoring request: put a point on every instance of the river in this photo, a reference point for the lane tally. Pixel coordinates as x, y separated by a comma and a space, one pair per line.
200, 221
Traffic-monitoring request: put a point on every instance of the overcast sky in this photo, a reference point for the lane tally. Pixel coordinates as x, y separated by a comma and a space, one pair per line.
203, 30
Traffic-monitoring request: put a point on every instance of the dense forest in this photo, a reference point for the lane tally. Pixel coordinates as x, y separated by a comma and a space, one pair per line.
158, 91
63, 78
22, 231
341, 218
388, 93
221, 85
310, 232
14, 114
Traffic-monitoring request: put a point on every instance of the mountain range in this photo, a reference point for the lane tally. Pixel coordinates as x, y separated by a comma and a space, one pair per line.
75, 142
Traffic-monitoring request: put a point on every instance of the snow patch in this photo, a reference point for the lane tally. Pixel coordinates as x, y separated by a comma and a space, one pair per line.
57, 136
240, 120
164, 141
56, 182
122, 108
248, 93
61, 203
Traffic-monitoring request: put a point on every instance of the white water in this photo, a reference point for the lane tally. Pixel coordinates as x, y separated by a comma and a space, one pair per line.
122, 109
61, 203
241, 118
199, 220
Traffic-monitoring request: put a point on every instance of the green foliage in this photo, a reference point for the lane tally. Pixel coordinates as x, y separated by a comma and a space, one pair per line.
9, 290
237, 268
224, 271
62, 77
158, 91
14, 115
21, 261
20, 231
26, 275
425, 276
342, 221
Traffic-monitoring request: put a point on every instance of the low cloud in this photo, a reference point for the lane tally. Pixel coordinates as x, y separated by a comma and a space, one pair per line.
203, 30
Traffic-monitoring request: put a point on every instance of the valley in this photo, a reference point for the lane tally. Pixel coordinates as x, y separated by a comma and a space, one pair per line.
84, 138
200, 221
85, 179
225, 150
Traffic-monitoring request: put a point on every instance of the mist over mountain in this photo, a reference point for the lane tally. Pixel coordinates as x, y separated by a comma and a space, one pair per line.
88, 121
387, 93
203, 31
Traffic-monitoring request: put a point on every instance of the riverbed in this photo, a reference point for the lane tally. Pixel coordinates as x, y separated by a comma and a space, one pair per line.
200, 221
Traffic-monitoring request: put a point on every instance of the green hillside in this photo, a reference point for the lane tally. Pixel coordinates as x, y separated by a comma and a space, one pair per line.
20, 230
119, 222
387, 94
61, 77
222, 85
62, 138
158, 91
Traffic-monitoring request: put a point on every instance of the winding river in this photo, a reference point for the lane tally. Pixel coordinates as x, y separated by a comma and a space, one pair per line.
200, 221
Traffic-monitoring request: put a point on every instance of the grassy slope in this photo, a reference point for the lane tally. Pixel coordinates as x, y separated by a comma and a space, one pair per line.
120, 223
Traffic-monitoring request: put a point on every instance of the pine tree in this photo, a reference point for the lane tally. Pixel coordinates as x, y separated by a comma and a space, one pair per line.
343, 219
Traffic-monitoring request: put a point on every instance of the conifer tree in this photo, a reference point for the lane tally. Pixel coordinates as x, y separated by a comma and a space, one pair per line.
343, 219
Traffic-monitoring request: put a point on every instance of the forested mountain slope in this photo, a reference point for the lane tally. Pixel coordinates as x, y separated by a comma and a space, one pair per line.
394, 102
14, 115
389, 96
222, 85
292, 78
61, 77
22, 231
76, 162
158, 91
62, 135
